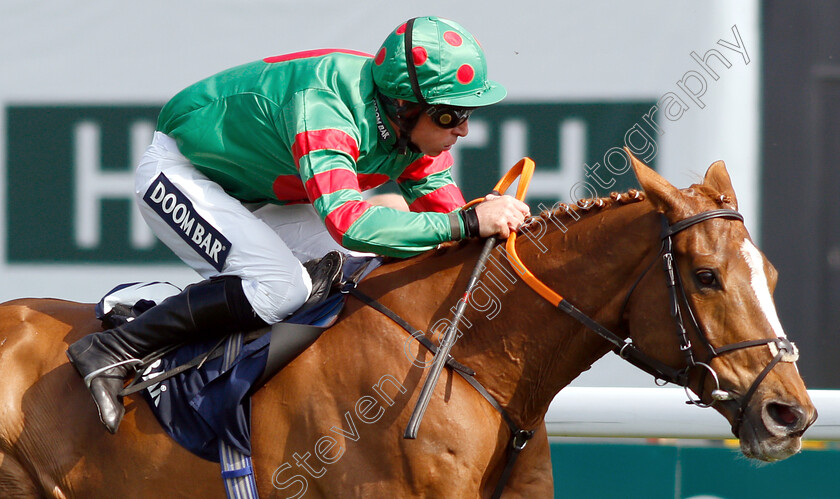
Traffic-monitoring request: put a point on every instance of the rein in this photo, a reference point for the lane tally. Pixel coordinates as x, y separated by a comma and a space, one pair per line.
782, 349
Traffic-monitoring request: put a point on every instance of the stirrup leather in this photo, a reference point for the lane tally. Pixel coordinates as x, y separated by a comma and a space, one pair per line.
94, 374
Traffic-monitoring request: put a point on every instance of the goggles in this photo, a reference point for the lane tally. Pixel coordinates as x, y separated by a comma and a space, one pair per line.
448, 116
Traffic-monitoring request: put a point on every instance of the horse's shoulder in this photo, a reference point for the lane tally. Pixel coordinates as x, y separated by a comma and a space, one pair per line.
44, 303
30, 308
47, 315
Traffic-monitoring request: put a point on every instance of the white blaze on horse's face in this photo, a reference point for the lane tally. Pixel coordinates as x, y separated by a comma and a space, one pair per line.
758, 282
760, 288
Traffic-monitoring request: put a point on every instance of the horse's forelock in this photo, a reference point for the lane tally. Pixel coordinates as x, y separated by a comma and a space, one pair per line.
705, 192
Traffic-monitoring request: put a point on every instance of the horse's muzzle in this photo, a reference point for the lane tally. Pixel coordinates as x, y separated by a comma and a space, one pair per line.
774, 430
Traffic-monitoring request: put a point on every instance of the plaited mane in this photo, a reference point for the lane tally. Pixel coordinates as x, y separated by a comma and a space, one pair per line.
586, 206
561, 211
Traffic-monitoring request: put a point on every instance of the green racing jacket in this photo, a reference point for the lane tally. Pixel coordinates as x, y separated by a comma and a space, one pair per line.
307, 128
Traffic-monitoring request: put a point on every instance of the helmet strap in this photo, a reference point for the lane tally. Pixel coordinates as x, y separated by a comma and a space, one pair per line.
409, 62
405, 116
407, 123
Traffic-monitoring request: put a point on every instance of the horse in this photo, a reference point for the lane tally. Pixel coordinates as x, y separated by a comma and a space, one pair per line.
329, 424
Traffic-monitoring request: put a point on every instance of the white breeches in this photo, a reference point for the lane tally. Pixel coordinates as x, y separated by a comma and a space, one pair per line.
216, 234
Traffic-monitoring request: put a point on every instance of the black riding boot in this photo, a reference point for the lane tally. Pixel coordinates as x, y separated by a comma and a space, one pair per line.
325, 273
201, 311
204, 310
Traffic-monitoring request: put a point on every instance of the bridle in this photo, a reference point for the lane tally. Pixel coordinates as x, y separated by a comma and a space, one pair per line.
781, 348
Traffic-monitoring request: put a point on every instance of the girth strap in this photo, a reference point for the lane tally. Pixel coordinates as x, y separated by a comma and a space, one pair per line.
237, 469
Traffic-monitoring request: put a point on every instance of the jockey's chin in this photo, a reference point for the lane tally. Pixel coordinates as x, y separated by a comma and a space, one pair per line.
436, 152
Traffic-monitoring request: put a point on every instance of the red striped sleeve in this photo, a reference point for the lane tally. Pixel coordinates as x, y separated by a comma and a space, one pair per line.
314, 140
330, 181
341, 218
425, 166
338, 179
371, 180
312, 53
289, 188
447, 198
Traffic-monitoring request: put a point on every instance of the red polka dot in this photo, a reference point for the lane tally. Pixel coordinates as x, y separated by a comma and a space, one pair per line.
465, 74
420, 55
401, 29
380, 57
453, 38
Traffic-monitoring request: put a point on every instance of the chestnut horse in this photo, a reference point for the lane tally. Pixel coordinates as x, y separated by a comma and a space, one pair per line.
330, 424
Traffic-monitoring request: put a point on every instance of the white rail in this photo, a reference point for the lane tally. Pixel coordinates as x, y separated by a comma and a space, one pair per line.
661, 413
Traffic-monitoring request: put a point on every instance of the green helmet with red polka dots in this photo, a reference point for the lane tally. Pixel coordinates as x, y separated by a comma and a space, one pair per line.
447, 65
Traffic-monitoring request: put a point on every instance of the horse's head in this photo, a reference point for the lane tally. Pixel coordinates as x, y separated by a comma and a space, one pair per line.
738, 358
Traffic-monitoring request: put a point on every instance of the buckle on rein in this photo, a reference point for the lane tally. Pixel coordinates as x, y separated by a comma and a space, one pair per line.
787, 352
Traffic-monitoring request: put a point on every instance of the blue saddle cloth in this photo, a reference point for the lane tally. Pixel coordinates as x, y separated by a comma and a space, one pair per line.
202, 405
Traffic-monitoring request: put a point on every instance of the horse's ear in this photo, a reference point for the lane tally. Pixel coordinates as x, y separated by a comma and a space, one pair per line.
718, 179
664, 196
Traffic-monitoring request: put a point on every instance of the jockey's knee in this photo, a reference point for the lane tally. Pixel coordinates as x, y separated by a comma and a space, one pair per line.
275, 297
394, 201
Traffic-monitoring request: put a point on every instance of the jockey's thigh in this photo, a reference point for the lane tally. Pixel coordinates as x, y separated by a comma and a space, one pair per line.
301, 229
273, 279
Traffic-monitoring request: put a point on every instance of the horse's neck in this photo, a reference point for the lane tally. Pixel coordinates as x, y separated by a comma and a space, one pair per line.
524, 349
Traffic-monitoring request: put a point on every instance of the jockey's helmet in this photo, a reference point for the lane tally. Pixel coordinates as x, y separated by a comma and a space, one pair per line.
446, 75
447, 65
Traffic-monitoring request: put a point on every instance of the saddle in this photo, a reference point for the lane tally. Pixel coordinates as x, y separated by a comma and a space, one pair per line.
197, 394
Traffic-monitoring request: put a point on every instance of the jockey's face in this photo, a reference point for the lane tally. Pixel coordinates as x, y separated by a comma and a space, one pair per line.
432, 139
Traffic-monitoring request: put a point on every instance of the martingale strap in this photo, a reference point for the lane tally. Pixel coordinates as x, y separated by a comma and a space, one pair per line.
415, 333
519, 437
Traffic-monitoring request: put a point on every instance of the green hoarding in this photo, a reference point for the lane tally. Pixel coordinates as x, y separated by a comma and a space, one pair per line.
639, 471
68, 174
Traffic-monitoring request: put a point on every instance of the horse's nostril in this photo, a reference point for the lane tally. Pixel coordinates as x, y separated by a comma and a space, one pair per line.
786, 416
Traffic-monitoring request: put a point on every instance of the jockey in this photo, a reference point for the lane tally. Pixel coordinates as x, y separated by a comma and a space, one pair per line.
261, 167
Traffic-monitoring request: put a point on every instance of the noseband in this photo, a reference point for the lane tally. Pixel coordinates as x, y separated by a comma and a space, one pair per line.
782, 349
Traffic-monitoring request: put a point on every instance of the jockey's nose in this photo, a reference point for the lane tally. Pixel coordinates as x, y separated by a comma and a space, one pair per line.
462, 130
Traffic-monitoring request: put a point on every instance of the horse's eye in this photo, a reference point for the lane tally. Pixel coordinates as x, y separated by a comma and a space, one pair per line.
706, 277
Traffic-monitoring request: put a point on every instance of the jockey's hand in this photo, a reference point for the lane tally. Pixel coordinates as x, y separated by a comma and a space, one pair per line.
500, 215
